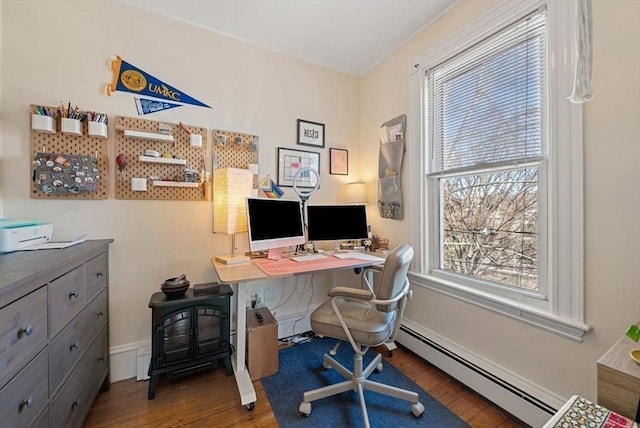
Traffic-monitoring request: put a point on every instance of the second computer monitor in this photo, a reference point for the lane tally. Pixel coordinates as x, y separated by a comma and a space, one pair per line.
336, 222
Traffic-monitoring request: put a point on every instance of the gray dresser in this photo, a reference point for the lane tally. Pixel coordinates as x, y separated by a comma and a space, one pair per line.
54, 334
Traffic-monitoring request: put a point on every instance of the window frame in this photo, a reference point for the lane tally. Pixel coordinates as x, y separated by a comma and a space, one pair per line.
561, 308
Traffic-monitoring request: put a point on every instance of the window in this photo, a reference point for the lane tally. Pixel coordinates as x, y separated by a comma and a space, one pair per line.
491, 110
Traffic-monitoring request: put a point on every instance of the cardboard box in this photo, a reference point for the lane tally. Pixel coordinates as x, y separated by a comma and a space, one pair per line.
262, 344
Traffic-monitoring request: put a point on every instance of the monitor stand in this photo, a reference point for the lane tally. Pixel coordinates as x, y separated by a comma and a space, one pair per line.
274, 253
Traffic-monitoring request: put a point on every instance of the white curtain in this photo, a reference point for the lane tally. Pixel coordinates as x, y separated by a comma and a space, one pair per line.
583, 56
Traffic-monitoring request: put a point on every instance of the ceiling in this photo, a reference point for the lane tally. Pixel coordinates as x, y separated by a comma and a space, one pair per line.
350, 36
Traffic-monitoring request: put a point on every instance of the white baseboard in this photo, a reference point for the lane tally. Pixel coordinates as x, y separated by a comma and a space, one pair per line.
130, 360
523, 399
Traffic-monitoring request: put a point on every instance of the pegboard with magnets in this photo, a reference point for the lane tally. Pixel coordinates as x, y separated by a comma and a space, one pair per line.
234, 150
48, 143
175, 171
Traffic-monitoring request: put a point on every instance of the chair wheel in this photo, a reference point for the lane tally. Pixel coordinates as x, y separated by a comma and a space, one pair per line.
417, 409
305, 409
379, 367
251, 406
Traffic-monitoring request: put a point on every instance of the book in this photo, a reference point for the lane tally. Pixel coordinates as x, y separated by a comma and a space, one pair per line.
208, 288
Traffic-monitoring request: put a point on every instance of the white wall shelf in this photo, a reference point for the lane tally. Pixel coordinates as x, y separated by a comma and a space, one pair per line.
161, 183
171, 161
132, 133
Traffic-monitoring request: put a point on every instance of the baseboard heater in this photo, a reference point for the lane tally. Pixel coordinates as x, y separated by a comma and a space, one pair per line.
534, 412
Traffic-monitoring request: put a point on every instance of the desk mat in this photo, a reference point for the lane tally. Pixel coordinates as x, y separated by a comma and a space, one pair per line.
285, 267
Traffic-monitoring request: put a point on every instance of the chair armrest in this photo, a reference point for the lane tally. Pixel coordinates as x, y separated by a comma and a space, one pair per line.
354, 293
364, 277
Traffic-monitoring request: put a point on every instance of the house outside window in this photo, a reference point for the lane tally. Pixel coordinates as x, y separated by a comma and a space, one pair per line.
499, 145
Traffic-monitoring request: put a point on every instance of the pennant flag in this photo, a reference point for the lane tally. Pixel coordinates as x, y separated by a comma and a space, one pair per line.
270, 189
146, 106
129, 78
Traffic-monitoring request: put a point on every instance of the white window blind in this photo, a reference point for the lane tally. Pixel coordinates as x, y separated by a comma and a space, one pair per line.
487, 103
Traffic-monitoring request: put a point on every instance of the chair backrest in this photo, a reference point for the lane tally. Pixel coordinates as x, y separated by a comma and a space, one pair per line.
394, 274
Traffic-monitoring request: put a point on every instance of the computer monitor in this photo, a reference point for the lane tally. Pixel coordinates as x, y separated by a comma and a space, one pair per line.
274, 223
336, 222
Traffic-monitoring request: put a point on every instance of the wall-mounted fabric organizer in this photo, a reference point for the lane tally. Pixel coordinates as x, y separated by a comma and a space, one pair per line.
71, 164
391, 153
160, 160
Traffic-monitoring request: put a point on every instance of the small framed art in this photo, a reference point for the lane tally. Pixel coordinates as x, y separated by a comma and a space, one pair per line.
290, 161
338, 161
310, 133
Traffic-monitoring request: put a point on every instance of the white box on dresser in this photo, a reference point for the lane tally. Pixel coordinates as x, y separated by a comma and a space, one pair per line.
54, 334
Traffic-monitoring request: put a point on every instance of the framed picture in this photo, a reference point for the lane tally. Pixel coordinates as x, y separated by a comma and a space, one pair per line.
310, 133
338, 162
290, 161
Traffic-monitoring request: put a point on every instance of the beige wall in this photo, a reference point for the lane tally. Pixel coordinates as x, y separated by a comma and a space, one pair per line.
612, 208
55, 51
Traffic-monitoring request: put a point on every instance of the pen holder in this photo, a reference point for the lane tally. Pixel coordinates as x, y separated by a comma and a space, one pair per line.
71, 126
41, 123
97, 129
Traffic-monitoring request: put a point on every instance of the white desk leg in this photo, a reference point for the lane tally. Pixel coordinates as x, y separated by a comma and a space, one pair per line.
245, 386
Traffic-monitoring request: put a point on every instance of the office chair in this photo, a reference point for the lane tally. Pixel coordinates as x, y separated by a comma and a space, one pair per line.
365, 318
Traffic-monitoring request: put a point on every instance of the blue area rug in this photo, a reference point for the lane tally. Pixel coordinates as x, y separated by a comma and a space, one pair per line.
300, 370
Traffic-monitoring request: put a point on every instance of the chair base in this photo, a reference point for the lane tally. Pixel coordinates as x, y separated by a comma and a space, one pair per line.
357, 381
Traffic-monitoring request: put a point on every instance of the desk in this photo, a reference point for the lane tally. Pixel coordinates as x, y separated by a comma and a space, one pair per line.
239, 275
619, 379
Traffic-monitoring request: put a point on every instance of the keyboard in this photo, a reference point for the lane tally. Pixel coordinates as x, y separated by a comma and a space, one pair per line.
360, 256
308, 257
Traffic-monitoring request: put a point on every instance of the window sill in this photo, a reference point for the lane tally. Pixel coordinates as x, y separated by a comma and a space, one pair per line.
540, 318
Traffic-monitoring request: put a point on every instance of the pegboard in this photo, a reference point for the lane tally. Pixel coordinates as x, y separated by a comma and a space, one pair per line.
164, 174
234, 150
52, 181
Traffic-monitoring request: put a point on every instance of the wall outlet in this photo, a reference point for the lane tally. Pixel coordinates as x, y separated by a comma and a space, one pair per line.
270, 294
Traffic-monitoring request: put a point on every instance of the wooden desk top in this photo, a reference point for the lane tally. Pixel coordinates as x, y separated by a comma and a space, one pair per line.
252, 271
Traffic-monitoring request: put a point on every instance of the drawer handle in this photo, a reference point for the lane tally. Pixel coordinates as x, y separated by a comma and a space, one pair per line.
75, 404
99, 274
100, 314
25, 331
73, 294
74, 345
100, 359
25, 403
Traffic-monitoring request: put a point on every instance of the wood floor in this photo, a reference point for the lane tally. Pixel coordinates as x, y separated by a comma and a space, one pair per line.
210, 399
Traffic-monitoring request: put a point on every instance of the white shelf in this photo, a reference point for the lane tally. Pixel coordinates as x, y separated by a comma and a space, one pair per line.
132, 133
160, 183
163, 160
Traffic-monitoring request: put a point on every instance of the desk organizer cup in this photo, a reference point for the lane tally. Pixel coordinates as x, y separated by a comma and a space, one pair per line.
41, 123
97, 129
71, 126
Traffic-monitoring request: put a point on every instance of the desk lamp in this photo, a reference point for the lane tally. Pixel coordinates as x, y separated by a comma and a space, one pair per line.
356, 193
231, 186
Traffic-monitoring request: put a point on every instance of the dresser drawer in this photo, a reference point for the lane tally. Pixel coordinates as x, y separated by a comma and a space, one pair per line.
22, 399
72, 403
66, 298
23, 331
67, 348
96, 270
43, 420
